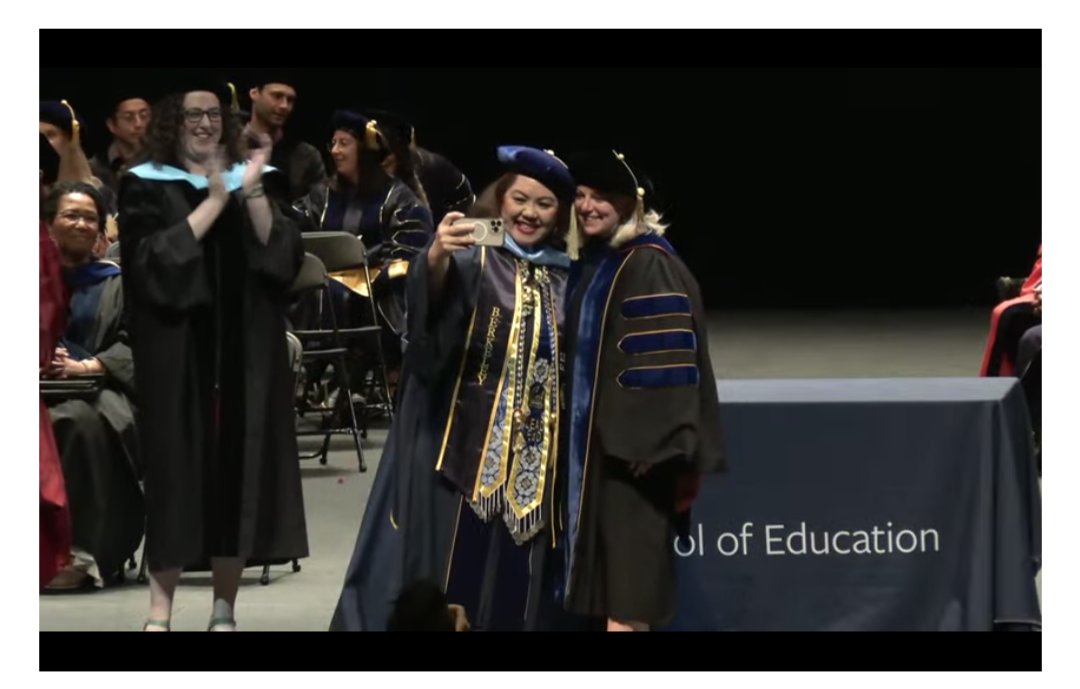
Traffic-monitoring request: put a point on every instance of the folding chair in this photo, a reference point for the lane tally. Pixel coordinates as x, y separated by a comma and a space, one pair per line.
81, 387
345, 255
329, 345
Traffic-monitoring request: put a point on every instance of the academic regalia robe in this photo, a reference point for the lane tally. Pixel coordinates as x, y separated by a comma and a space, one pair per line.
216, 419
301, 166
447, 188
640, 390
422, 521
97, 437
391, 215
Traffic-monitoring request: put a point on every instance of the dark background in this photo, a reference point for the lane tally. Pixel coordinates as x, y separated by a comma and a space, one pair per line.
832, 186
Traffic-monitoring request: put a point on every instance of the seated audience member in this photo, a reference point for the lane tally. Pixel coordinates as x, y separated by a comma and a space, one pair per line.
1008, 323
96, 434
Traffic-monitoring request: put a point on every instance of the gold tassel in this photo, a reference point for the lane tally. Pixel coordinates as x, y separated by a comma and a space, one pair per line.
234, 105
74, 167
75, 133
372, 135
574, 240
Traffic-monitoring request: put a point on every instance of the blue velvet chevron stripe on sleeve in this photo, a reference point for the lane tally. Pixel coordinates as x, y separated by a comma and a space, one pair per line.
659, 376
653, 305
657, 341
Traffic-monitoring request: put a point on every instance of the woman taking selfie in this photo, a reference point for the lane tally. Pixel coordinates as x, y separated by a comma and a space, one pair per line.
463, 492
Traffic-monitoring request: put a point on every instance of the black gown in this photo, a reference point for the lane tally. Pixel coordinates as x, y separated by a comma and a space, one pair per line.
214, 386
447, 187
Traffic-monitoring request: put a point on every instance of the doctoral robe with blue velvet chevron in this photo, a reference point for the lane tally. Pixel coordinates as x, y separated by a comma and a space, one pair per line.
640, 392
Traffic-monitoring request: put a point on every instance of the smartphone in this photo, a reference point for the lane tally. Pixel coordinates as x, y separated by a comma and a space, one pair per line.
486, 231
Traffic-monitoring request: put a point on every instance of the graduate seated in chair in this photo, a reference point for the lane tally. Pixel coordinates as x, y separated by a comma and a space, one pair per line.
388, 212
1008, 323
96, 434
436, 181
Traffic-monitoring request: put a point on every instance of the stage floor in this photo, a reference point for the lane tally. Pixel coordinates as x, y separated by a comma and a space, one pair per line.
774, 344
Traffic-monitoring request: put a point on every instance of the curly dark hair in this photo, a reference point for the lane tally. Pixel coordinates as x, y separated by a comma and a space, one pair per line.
62, 189
162, 140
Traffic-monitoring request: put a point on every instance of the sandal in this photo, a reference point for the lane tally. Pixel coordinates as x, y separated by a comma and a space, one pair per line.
164, 624
221, 621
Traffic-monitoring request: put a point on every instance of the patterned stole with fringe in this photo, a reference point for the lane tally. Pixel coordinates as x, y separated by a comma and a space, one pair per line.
501, 438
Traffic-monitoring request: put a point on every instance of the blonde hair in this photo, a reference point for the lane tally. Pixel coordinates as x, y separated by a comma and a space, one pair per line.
642, 221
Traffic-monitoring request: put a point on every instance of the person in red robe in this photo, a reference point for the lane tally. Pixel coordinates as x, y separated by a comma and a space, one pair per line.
1008, 323
54, 517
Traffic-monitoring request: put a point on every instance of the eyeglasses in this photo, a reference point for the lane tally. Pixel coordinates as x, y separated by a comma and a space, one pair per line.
136, 116
74, 217
343, 143
195, 115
